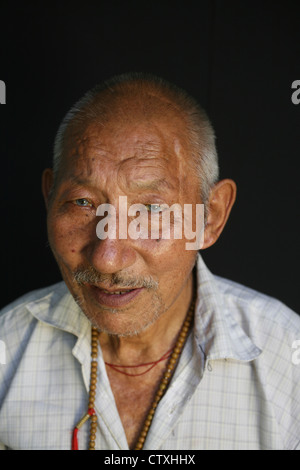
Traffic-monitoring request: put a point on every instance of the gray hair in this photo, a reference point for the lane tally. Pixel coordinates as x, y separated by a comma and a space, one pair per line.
201, 137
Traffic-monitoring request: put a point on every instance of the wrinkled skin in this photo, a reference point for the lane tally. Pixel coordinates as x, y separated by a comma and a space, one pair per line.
145, 162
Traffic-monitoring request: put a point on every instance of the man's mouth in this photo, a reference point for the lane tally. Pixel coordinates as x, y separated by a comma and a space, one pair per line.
115, 297
117, 292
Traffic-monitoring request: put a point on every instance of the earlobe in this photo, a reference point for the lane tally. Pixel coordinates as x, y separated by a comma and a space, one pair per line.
47, 185
221, 200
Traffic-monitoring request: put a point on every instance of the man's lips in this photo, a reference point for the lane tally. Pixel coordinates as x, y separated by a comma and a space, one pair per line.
117, 297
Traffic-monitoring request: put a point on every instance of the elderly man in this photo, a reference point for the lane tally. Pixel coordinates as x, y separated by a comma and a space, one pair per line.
140, 346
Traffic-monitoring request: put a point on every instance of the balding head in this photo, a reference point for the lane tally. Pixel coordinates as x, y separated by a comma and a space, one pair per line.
133, 98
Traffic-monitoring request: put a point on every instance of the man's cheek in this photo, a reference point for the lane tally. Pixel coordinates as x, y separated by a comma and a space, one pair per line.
159, 249
64, 251
64, 233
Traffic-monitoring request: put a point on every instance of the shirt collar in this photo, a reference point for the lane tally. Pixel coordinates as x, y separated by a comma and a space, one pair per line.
217, 332
59, 309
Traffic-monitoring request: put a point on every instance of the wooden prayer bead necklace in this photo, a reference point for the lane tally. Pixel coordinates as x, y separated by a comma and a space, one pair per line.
91, 413
167, 376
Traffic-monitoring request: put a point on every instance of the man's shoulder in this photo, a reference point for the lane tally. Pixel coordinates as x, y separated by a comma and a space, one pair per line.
19, 306
252, 306
275, 329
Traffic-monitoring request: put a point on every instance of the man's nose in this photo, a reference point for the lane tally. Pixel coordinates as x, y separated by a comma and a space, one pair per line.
111, 255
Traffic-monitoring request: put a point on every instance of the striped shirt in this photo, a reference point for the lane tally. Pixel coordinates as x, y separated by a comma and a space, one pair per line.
236, 386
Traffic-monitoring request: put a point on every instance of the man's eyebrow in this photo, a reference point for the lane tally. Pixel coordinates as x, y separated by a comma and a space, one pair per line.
73, 182
150, 184
79, 180
133, 185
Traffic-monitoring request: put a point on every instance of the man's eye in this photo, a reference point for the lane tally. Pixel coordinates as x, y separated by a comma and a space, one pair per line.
82, 202
154, 208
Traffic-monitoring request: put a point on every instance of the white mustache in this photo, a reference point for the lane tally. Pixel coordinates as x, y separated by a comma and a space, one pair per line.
91, 276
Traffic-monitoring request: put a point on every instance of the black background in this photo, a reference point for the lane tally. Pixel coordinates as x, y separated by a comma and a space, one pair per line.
238, 58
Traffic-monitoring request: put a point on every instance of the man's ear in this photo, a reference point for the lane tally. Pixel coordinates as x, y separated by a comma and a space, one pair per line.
47, 185
220, 203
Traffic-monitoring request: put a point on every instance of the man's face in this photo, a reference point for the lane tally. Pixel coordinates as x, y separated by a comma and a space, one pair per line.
122, 285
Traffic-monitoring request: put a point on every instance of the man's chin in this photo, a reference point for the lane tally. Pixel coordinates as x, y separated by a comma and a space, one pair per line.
113, 325
123, 322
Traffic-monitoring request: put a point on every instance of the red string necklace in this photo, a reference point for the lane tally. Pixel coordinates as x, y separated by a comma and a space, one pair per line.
117, 367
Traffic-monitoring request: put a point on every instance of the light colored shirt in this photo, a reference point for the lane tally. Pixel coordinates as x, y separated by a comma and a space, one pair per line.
236, 385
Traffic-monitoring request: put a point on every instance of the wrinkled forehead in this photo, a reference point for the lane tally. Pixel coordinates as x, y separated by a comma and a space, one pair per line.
132, 107
134, 155
129, 130
137, 143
